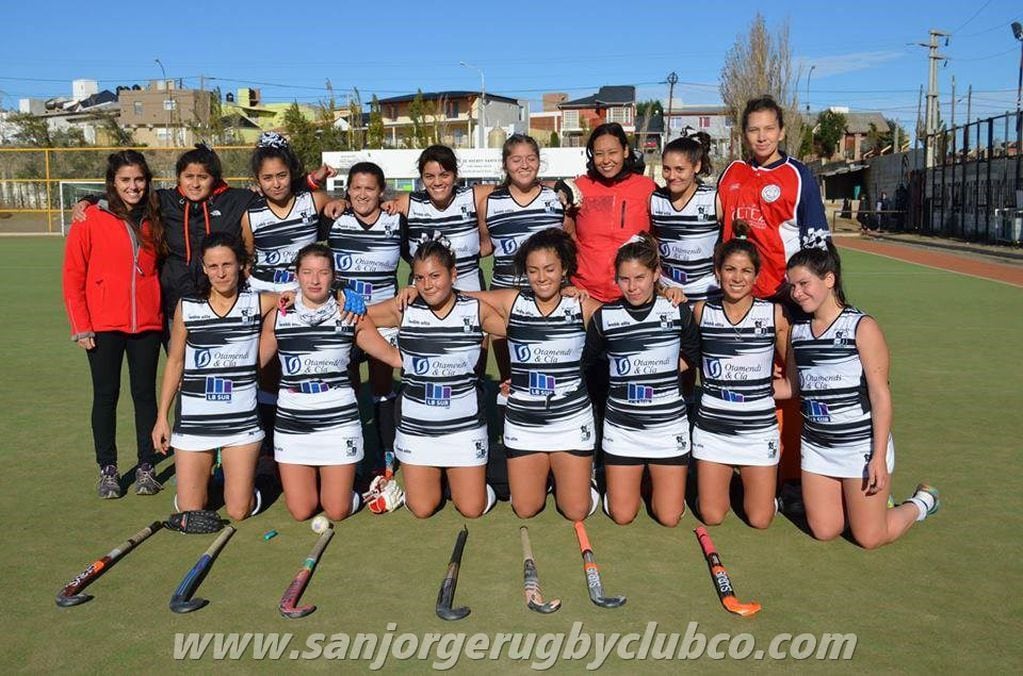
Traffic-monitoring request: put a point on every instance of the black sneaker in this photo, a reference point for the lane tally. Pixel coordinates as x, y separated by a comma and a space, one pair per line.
145, 480
109, 487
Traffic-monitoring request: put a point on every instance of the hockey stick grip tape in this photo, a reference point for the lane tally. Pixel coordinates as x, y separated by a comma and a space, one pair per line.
584, 541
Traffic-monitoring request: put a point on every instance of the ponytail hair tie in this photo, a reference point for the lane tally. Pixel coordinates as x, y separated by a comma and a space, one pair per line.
816, 239
271, 139
635, 239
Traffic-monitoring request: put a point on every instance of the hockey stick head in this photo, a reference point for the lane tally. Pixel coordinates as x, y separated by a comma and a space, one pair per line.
452, 614
733, 605
68, 600
181, 606
295, 612
536, 603
608, 601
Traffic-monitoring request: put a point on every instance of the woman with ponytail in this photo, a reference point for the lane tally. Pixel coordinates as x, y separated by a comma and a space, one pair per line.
838, 364
643, 337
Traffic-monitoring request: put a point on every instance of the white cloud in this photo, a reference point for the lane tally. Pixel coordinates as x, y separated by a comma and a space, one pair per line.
839, 64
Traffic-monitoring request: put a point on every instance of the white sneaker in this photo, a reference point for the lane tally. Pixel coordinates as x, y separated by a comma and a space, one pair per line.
594, 501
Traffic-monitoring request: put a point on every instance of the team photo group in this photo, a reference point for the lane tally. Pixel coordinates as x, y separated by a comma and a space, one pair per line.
641, 333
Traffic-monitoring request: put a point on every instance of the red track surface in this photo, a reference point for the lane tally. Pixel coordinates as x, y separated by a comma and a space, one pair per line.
966, 265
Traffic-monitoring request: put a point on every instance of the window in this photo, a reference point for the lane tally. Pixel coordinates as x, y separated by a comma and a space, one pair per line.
452, 109
704, 122
570, 119
620, 114
137, 107
170, 104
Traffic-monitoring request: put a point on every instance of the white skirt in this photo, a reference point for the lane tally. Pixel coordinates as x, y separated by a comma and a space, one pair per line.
456, 449
196, 442
842, 462
758, 449
660, 441
574, 433
336, 446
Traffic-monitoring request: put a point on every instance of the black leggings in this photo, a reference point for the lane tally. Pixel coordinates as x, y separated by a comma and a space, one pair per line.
143, 350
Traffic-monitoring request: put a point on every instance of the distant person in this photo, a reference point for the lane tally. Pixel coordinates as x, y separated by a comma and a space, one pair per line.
112, 295
882, 207
839, 364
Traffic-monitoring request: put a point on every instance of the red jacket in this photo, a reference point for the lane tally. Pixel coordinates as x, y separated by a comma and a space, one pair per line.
110, 281
610, 214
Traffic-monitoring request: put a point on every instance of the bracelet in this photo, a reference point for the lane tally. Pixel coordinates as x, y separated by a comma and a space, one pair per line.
311, 182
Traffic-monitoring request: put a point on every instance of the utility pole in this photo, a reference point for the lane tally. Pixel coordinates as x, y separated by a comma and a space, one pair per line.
672, 81
931, 121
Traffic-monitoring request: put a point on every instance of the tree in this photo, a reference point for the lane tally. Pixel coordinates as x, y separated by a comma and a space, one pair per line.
302, 136
882, 140
375, 133
828, 133
115, 133
417, 112
555, 140
759, 63
356, 133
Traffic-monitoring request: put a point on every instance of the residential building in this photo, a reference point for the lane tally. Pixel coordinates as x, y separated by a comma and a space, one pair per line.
714, 120
89, 110
245, 116
453, 116
164, 115
854, 147
611, 103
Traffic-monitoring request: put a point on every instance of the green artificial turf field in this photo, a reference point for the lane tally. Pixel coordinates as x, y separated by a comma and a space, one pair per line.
943, 598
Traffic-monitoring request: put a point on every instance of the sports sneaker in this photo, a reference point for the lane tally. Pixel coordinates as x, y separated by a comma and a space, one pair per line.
933, 492
109, 487
145, 480
790, 499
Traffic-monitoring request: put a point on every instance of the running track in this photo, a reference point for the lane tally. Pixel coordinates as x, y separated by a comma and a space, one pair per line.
964, 265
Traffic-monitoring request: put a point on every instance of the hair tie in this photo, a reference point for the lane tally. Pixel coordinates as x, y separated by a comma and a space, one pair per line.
816, 239
271, 139
635, 239
438, 237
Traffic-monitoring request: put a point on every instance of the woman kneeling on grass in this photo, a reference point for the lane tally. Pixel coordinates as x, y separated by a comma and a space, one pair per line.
318, 434
442, 426
848, 453
212, 356
736, 426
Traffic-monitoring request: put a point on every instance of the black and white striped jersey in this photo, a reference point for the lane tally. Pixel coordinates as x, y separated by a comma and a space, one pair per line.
314, 362
832, 385
440, 391
643, 345
687, 238
545, 351
218, 383
510, 224
366, 255
457, 222
737, 367
278, 240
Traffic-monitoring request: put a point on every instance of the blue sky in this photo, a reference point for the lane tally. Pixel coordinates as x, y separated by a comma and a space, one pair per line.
290, 50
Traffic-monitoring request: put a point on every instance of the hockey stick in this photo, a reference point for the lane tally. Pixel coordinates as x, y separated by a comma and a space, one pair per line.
531, 581
182, 601
447, 588
294, 591
71, 594
593, 573
721, 581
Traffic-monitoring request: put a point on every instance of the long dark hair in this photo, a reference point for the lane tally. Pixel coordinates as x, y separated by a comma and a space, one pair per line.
202, 155
272, 145
150, 204
761, 103
738, 244
506, 150
631, 165
695, 148
435, 249
233, 243
820, 262
643, 250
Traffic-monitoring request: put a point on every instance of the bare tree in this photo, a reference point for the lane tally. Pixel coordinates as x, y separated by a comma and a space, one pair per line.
760, 62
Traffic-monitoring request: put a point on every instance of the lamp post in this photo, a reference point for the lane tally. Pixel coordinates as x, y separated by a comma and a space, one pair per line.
482, 122
167, 107
808, 87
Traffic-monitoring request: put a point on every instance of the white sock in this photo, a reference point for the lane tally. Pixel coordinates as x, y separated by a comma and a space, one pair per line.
594, 500
259, 502
491, 499
924, 502
356, 503
176, 510
607, 510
